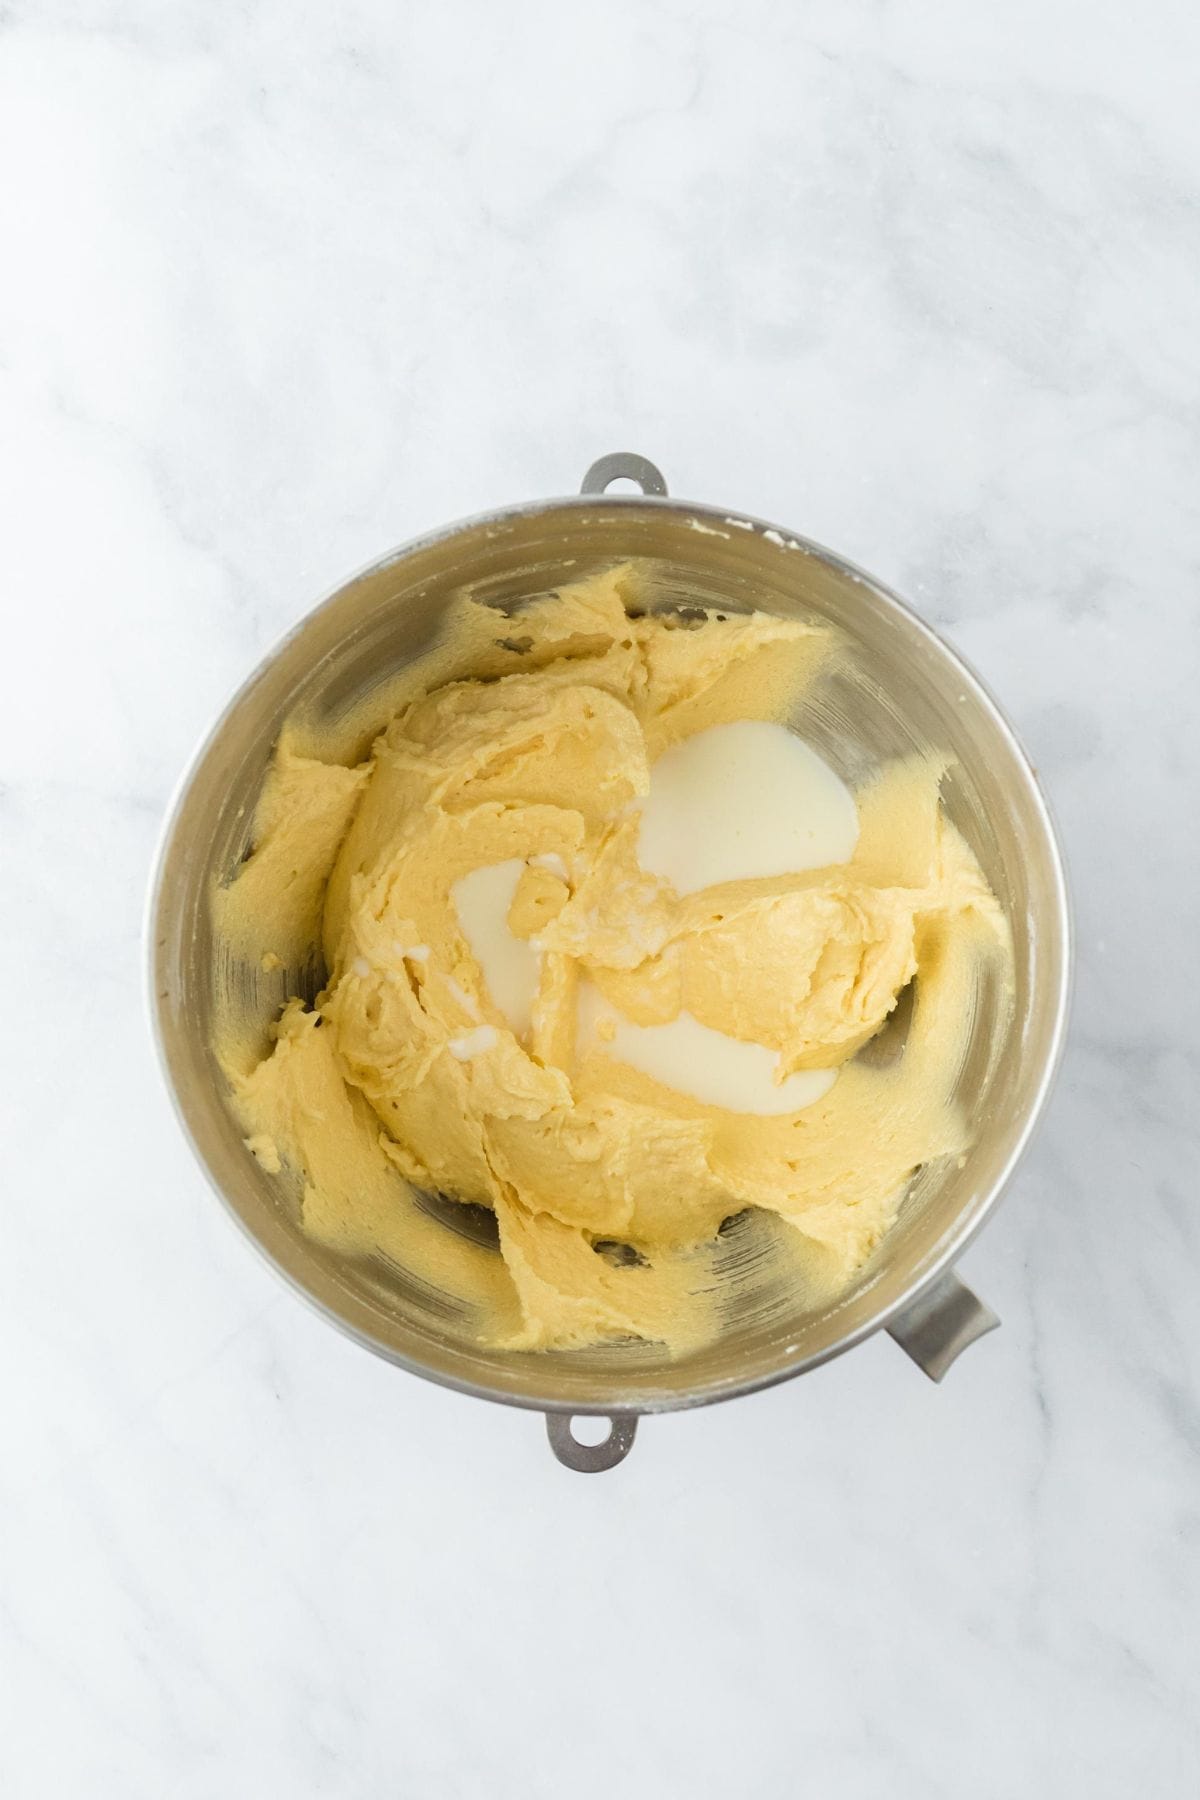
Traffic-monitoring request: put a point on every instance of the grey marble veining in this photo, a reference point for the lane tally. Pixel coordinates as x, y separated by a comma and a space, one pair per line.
286, 284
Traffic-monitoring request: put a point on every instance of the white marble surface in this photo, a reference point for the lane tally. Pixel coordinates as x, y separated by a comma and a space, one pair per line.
283, 285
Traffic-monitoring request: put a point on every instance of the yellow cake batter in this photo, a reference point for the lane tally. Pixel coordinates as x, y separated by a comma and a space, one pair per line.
609, 1187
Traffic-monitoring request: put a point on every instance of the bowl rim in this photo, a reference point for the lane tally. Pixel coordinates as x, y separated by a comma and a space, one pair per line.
958, 1238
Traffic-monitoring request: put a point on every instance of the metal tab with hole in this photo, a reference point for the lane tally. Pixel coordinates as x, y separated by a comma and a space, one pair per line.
591, 1459
623, 465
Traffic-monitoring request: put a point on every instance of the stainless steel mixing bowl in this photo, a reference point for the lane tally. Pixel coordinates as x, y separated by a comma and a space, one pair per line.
900, 689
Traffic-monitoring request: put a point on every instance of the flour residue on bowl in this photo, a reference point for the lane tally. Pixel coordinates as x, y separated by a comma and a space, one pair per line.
602, 940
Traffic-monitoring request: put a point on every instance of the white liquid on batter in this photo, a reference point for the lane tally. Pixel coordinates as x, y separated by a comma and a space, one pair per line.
732, 803
743, 800
693, 1059
508, 964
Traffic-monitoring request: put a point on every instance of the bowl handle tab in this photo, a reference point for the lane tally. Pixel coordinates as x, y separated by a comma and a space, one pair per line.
591, 1459
623, 465
937, 1328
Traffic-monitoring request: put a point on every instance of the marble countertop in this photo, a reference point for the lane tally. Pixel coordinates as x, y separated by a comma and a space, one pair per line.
286, 284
